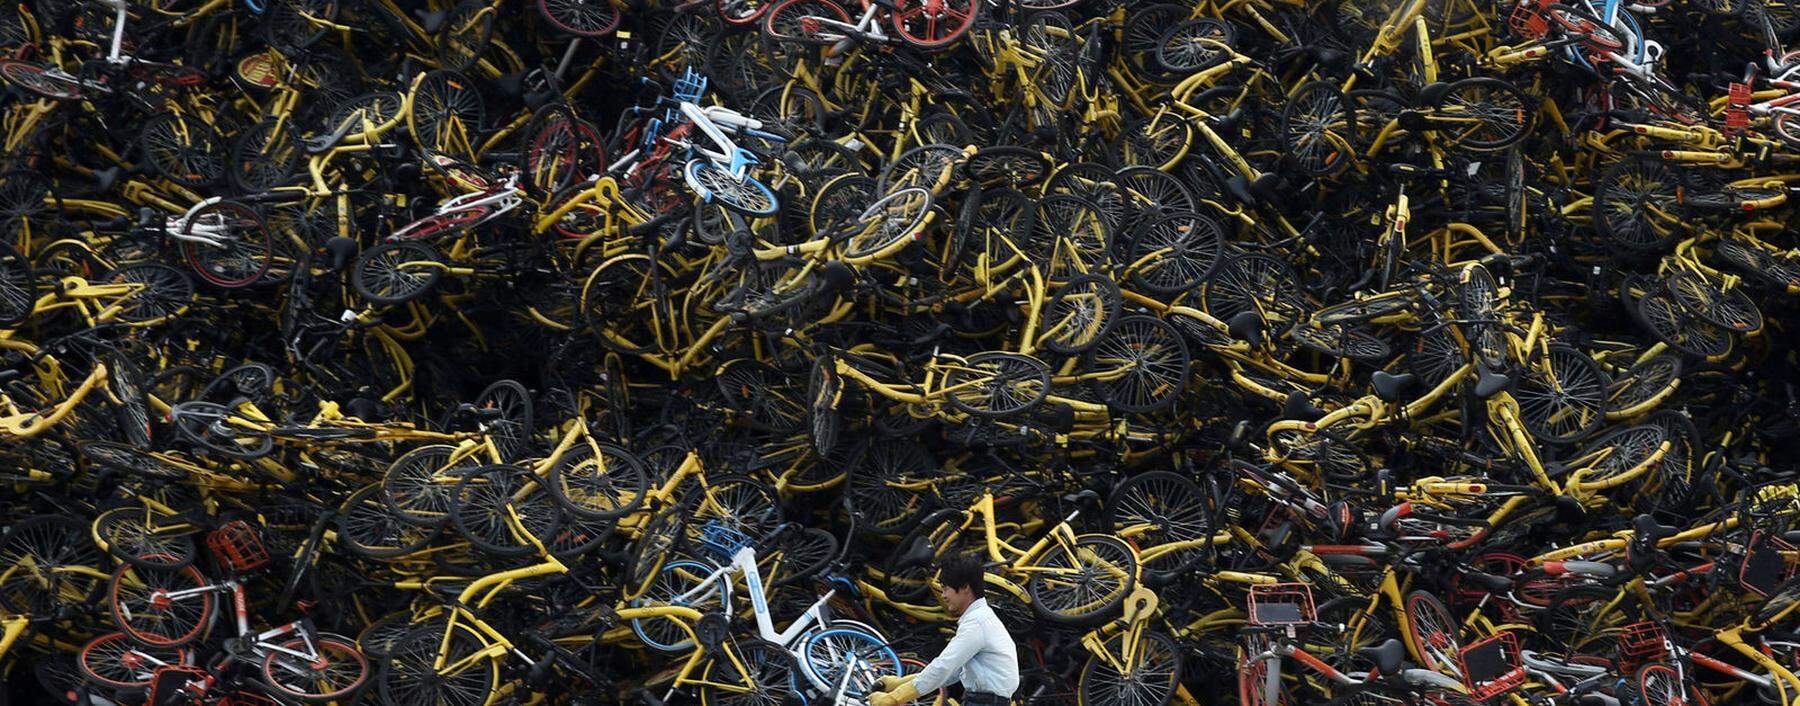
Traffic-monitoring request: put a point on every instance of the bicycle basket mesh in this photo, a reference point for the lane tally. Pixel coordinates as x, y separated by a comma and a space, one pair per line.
1281, 604
1492, 666
722, 541
1640, 644
236, 547
690, 87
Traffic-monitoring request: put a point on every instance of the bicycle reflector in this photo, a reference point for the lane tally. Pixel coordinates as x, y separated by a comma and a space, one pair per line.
237, 548
1281, 604
722, 540
1492, 667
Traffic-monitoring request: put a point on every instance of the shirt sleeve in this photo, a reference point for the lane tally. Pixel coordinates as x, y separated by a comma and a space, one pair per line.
949, 663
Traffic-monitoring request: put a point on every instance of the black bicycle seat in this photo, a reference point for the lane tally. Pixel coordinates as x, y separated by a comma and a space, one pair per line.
1391, 388
1298, 406
1490, 384
1387, 656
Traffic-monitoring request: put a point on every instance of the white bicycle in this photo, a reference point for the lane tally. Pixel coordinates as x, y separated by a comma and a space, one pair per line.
836, 656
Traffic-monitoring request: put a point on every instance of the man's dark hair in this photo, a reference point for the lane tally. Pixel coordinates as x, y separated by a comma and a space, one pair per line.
961, 572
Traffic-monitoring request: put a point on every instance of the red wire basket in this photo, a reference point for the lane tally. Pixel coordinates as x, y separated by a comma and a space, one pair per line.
1281, 604
172, 679
1527, 22
237, 547
1640, 644
1492, 666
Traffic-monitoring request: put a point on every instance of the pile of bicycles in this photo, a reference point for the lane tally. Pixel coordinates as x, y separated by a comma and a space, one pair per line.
599, 352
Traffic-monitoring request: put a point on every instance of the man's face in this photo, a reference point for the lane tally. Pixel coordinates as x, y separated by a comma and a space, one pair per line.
956, 600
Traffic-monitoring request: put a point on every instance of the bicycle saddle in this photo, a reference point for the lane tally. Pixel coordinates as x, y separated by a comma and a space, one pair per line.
1298, 406
1433, 93
1239, 188
1649, 530
323, 143
340, 249
1247, 326
1390, 388
917, 553
1488, 582
1490, 383
1386, 656
431, 21
104, 178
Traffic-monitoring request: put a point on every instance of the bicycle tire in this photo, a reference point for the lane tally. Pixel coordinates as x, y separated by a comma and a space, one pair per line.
508, 418
823, 649
246, 256
411, 490
674, 579
1151, 680
36, 545
395, 272
1001, 396
19, 288
1186, 48
743, 194
107, 661
823, 388
130, 541
1048, 599
1173, 254
891, 221
264, 156
774, 676
1634, 200
1432, 632
917, 22
280, 670
181, 150
367, 528
36, 80
202, 424
582, 18
131, 596
615, 476
487, 496
1318, 129
408, 677
790, 21
1566, 403
1079, 314
1173, 509
1500, 109
1729, 309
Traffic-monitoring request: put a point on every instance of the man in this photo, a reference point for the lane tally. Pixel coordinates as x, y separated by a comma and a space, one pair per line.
981, 655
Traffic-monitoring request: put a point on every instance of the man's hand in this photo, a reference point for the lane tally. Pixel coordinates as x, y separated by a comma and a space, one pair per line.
902, 694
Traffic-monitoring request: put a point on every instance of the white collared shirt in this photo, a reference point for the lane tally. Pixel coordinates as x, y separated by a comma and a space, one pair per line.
981, 656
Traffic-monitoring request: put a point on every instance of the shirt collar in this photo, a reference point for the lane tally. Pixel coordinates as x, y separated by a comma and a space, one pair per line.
978, 605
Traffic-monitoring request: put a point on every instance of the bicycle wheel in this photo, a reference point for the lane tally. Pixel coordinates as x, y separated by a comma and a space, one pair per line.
204, 424
1079, 314
1071, 236
140, 604
928, 167
1341, 341
614, 296
769, 676
1659, 685
395, 272
115, 661
1318, 129
239, 250
410, 676
182, 150
888, 223
1626, 450
447, 114
1730, 309
1141, 365
1637, 204
264, 156
50, 566
1083, 583
143, 537
1562, 397
37, 80
294, 25
677, 584
164, 292
336, 669
1149, 678
366, 527
741, 503
18, 287
1253, 282
606, 486
798, 555
933, 24
583, 18
1160, 508
995, 384
1175, 253
741, 13
743, 194
1670, 324
465, 35
564, 150
1194, 46
1432, 632
826, 654
507, 418
488, 498
799, 21
1482, 114
823, 388
413, 488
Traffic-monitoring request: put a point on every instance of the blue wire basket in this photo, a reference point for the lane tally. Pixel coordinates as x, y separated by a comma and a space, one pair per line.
723, 541
690, 87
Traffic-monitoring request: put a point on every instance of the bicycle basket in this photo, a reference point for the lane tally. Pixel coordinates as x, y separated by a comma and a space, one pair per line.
1492, 667
169, 685
723, 541
1281, 604
1764, 569
1640, 644
237, 547
690, 87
